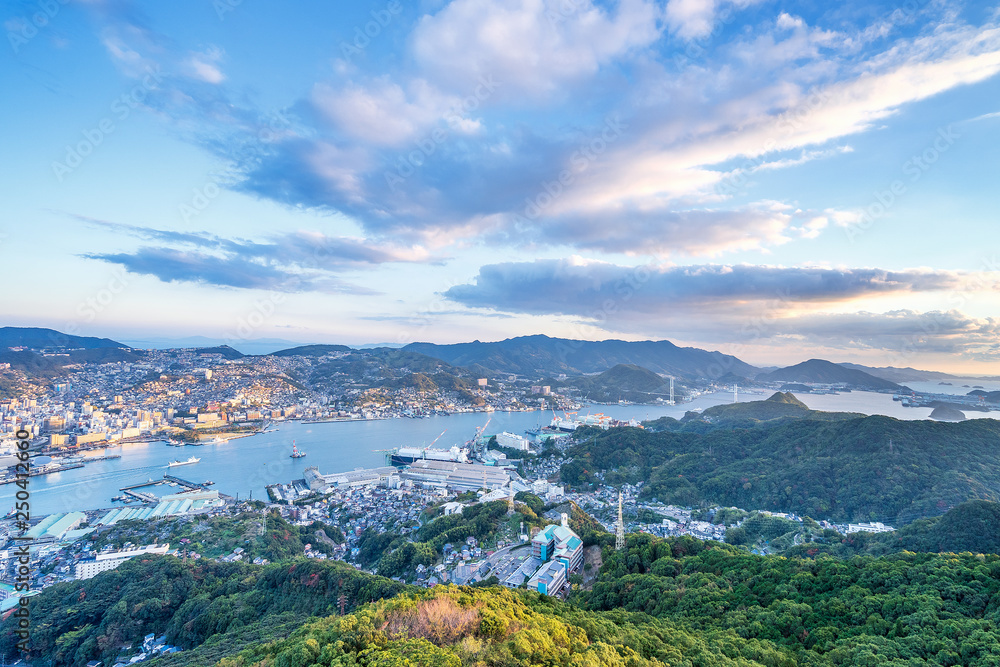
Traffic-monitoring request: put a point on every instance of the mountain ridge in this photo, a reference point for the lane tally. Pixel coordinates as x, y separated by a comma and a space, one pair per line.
543, 355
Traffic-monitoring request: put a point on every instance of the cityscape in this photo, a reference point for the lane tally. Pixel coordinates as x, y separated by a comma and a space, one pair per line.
500, 333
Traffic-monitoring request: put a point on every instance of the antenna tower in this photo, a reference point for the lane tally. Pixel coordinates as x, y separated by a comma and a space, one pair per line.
620, 528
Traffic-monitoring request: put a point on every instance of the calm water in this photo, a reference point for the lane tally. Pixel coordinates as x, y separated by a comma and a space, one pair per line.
246, 465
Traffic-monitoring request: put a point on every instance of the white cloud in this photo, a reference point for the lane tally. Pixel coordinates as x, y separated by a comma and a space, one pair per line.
204, 66
382, 113
532, 47
691, 19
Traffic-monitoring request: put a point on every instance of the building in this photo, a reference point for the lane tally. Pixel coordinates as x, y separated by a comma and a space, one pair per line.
549, 579
461, 476
560, 545
56, 526
512, 441
91, 567
874, 527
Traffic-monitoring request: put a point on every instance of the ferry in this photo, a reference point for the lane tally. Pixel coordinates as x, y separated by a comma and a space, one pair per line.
296, 454
174, 464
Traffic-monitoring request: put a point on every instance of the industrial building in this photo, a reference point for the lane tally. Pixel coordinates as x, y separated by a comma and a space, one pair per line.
170, 505
459, 476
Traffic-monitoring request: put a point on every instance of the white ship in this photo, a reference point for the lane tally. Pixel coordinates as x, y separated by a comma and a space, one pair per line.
191, 460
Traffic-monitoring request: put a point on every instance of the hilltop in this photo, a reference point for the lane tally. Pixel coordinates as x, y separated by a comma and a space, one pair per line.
49, 339
541, 355
821, 371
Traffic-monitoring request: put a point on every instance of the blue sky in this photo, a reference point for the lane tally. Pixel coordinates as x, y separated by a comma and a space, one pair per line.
776, 180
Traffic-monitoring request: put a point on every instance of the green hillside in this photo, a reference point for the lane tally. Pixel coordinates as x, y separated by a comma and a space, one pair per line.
906, 609
851, 469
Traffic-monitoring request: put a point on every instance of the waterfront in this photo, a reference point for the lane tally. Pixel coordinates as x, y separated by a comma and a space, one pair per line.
248, 464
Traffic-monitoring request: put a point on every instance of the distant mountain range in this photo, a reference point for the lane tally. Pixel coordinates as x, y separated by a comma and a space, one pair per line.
541, 355
827, 372
38, 338
535, 356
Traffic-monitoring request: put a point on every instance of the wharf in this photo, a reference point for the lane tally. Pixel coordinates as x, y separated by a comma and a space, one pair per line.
131, 490
42, 471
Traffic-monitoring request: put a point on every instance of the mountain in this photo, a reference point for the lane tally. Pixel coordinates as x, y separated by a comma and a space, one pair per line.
624, 381
894, 374
826, 372
842, 469
778, 406
540, 355
50, 339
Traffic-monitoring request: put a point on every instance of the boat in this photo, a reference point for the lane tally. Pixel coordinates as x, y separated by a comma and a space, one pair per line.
217, 440
296, 454
174, 464
207, 483
175, 443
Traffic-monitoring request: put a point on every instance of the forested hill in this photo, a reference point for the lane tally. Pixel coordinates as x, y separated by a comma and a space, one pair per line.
907, 609
859, 469
779, 406
541, 355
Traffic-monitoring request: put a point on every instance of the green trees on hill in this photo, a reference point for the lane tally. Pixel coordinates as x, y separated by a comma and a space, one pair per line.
75, 622
858, 469
455, 627
932, 609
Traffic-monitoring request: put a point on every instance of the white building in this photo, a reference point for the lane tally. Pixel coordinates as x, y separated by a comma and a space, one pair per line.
91, 567
513, 441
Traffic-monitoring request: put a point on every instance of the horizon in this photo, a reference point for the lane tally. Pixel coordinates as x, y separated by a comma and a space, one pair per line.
767, 181
266, 346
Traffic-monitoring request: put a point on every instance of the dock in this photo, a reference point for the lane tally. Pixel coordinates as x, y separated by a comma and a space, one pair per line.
132, 492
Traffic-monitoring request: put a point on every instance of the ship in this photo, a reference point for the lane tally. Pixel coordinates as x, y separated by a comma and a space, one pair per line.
191, 460
296, 454
407, 455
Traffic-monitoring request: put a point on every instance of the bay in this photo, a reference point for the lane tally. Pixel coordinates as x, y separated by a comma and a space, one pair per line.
246, 465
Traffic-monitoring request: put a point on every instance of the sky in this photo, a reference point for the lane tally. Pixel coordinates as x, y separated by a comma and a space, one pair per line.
774, 180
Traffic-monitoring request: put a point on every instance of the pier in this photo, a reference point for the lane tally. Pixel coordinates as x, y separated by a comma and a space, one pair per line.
132, 492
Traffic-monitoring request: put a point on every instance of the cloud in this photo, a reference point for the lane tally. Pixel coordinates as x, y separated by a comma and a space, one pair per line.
383, 113
691, 19
665, 232
293, 261
742, 305
533, 47
392, 152
205, 66
579, 287
902, 334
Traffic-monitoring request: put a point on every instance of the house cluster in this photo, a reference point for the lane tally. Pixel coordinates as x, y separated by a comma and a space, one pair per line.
152, 647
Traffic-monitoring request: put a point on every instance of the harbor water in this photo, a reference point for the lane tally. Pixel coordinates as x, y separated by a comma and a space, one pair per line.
246, 465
